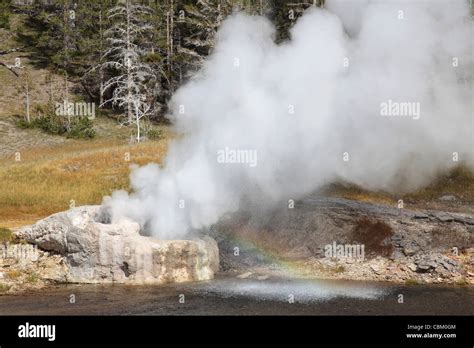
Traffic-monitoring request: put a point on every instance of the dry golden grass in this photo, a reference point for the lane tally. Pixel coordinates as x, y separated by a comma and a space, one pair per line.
459, 182
13, 274
359, 194
47, 179
6, 235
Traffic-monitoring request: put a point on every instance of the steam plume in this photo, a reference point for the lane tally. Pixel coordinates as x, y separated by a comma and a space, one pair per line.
374, 93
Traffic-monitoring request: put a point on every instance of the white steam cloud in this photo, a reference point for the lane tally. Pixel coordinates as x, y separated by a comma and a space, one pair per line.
374, 93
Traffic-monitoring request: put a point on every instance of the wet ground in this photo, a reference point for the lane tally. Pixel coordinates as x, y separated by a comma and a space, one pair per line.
232, 296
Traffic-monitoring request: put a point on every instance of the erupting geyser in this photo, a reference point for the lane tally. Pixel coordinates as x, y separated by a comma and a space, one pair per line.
376, 93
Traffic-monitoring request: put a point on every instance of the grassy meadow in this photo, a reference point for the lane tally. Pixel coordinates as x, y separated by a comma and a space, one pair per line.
47, 179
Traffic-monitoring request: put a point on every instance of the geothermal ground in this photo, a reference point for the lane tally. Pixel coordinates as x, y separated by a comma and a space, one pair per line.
279, 267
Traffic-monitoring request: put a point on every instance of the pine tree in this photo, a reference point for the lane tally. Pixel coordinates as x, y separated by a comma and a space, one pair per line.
5, 10
203, 20
284, 14
158, 51
92, 23
57, 40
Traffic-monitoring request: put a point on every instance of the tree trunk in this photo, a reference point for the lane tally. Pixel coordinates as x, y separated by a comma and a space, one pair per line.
68, 126
137, 119
27, 102
101, 50
101, 92
169, 39
129, 70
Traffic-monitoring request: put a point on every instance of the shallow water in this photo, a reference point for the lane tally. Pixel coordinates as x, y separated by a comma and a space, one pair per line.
280, 290
232, 296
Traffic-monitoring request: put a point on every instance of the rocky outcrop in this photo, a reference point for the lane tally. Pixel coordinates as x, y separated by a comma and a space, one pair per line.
25, 267
96, 252
423, 246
